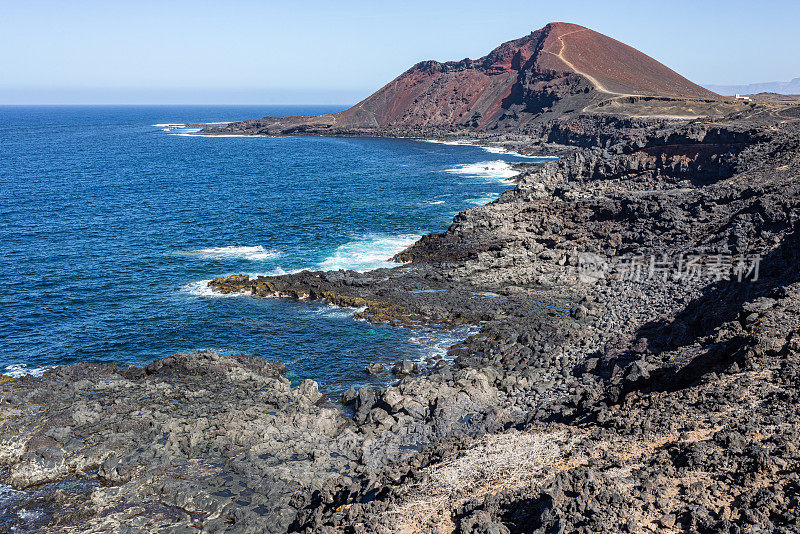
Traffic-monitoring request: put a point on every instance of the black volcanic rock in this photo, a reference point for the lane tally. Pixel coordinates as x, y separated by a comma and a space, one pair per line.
573, 404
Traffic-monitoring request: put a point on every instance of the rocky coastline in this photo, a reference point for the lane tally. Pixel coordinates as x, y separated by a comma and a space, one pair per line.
583, 404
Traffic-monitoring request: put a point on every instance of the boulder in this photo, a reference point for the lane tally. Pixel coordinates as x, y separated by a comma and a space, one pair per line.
374, 369
405, 368
349, 396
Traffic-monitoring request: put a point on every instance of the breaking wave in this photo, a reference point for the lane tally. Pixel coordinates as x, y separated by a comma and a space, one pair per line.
332, 311
256, 253
462, 142
20, 369
367, 252
498, 170
506, 152
491, 149
201, 289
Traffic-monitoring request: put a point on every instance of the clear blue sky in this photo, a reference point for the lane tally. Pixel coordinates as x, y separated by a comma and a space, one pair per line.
143, 51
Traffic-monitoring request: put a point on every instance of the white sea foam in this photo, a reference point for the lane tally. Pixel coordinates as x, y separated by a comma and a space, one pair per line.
485, 199
367, 252
20, 369
252, 253
169, 125
433, 202
497, 170
28, 515
490, 149
202, 289
436, 343
332, 311
506, 152
277, 271
460, 142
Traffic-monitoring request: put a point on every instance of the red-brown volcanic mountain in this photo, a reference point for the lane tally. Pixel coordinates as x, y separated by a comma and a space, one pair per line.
558, 68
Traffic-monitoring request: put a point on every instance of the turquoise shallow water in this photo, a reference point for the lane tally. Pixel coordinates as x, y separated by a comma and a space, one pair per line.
110, 225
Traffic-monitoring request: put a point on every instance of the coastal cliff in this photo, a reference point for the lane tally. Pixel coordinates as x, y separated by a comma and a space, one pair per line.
588, 399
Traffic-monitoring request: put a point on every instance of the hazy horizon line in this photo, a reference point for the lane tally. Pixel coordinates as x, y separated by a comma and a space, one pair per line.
212, 96
98, 104
152, 96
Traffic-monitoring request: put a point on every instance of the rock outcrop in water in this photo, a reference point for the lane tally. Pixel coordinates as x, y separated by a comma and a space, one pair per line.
590, 400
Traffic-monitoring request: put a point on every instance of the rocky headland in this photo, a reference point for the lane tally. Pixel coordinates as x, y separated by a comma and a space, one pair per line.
609, 387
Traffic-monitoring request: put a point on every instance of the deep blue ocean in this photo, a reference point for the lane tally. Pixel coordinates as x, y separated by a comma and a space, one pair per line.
111, 225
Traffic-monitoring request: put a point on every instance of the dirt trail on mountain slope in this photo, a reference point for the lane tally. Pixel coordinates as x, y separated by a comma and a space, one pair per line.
597, 84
